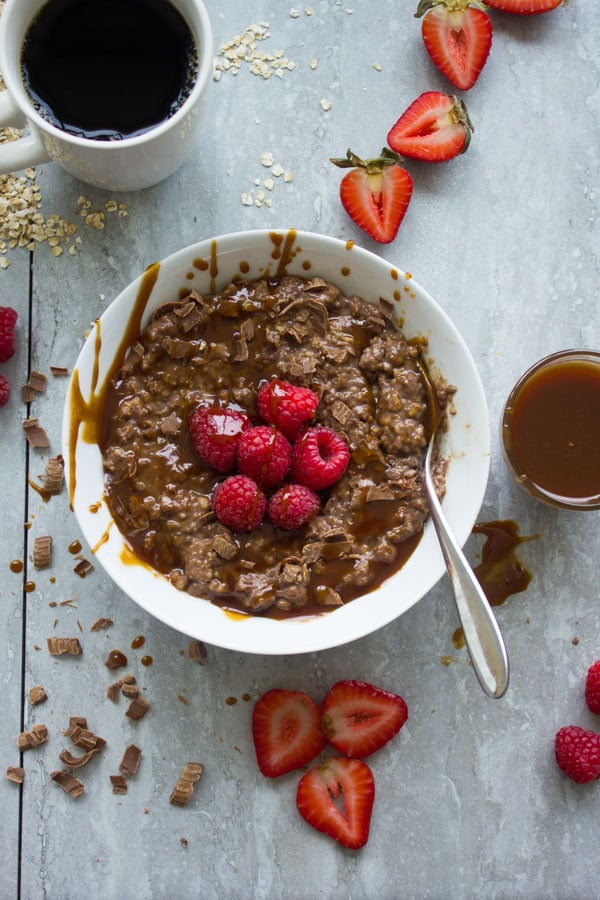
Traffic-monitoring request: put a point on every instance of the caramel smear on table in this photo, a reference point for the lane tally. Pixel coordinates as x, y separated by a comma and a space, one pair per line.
500, 572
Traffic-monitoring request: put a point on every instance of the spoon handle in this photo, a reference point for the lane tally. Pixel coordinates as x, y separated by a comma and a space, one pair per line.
482, 634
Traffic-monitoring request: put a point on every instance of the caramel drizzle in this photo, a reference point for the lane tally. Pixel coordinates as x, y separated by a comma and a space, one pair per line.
86, 415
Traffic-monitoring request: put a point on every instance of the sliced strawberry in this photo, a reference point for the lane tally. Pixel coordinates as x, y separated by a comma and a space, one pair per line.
435, 127
286, 732
525, 7
347, 780
457, 37
359, 718
376, 193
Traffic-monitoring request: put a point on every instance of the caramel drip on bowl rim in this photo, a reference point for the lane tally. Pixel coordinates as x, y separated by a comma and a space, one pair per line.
86, 415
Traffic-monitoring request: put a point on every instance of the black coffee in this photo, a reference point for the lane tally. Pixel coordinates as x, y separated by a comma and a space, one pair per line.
108, 69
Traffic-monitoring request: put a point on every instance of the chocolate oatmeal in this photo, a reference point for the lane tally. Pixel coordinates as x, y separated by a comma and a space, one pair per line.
217, 350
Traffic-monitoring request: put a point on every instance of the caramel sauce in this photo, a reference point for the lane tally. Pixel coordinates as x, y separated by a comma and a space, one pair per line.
349, 245
283, 250
231, 701
345, 270
74, 547
86, 415
29, 587
103, 538
394, 274
16, 565
138, 641
146, 661
94, 507
306, 264
39, 490
200, 264
116, 660
555, 430
500, 573
244, 267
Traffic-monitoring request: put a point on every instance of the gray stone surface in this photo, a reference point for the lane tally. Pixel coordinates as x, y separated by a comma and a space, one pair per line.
469, 800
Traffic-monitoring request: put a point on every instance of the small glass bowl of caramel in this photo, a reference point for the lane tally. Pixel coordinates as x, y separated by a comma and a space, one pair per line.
551, 430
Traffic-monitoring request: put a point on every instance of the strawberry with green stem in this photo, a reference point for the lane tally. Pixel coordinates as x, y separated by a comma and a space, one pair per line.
458, 37
375, 193
436, 127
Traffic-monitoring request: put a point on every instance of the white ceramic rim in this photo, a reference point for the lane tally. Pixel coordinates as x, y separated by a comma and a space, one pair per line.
467, 445
14, 85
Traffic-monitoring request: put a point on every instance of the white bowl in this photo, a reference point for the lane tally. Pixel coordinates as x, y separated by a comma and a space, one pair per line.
209, 266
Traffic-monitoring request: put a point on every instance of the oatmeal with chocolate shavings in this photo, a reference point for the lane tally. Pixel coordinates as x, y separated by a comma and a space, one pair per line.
217, 351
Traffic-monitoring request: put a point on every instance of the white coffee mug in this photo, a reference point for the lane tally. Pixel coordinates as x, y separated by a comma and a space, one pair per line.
125, 165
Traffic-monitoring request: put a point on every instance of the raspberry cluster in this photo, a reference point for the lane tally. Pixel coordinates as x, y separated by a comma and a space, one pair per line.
8, 319
577, 750
284, 454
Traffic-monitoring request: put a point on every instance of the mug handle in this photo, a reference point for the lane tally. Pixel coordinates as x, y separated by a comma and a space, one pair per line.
24, 152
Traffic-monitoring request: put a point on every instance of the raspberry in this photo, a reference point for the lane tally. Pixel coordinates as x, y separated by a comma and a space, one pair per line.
578, 753
319, 458
264, 454
239, 503
592, 688
292, 506
215, 432
288, 406
4, 390
8, 318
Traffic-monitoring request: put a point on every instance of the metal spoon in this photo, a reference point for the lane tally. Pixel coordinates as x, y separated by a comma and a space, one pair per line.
482, 634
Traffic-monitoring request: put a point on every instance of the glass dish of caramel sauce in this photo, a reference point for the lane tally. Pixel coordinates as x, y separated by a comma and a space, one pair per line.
551, 430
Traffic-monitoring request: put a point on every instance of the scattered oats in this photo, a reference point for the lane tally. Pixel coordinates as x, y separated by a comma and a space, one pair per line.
294, 13
277, 170
269, 184
4, 263
268, 202
313, 64
266, 160
257, 182
257, 120
308, 10
260, 196
377, 67
349, 11
257, 202
287, 176
243, 49
325, 105
111, 206
247, 199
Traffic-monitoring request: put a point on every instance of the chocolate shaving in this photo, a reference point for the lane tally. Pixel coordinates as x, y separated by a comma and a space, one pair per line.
27, 740
83, 738
78, 720
131, 759
37, 694
114, 689
37, 381
83, 567
184, 842
342, 412
75, 762
59, 371
386, 307
59, 645
15, 774
137, 709
170, 425
116, 659
27, 393
197, 652
225, 546
183, 699
71, 785
35, 434
184, 788
247, 330
326, 596
379, 492
99, 624
130, 690
313, 284
54, 475
119, 784
241, 352
42, 551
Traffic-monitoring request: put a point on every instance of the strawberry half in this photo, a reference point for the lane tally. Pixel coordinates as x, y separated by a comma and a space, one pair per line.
359, 718
347, 780
286, 732
524, 7
435, 127
458, 38
376, 193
